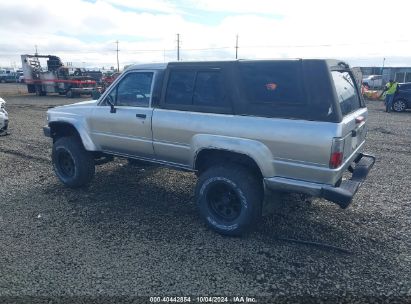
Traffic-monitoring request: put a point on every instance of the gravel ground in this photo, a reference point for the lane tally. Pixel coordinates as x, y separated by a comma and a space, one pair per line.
136, 232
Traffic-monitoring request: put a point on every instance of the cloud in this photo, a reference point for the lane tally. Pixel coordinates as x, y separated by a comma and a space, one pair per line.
160, 6
84, 31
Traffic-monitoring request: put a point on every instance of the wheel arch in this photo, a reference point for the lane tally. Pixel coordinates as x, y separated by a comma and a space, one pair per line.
208, 157
251, 153
60, 129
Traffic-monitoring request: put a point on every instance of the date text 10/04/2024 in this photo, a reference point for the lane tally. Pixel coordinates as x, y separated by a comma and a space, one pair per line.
238, 299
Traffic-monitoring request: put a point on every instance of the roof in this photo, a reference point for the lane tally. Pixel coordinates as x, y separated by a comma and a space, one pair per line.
162, 66
148, 66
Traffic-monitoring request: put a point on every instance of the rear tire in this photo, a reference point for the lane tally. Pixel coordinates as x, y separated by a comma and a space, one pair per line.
399, 105
230, 199
73, 165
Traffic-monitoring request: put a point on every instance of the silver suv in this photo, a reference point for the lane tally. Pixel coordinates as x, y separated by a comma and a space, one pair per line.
244, 127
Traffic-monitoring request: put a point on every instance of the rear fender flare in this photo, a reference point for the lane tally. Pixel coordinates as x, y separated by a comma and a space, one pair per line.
251, 148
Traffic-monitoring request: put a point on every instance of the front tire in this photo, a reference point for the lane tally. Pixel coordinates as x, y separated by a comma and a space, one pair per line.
73, 165
229, 198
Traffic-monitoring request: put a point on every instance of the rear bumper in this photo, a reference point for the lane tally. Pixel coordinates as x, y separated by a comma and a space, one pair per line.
341, 195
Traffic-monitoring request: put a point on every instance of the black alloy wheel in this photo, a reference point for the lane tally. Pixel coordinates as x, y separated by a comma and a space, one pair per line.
223, 201
65, 163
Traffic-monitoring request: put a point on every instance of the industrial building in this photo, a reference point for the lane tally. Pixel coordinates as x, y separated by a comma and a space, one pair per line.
399, 74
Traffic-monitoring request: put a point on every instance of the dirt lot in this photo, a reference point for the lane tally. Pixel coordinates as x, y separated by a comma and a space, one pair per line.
136, 232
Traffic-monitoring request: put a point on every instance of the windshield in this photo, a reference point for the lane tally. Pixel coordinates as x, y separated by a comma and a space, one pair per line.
346, 91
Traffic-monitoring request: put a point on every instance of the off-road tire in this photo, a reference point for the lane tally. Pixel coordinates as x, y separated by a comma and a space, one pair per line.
242, 186
69, 152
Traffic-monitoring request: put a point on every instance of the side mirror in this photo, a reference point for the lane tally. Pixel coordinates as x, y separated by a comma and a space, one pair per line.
110, 101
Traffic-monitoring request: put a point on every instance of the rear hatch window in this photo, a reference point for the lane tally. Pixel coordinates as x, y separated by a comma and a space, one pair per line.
346, 90
354, 126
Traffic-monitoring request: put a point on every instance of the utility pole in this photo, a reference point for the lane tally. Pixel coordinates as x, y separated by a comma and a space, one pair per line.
118, 64
178, 47
236, 47
36, 50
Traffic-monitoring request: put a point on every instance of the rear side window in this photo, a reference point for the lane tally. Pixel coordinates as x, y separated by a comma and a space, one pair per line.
208, 90
195, 88
275, 83
180, 87
346, 92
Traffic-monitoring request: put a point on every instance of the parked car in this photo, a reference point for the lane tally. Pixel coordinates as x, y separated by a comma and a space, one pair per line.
20, 77
373, 81
7, 76
246, 128
4, 117
402, 98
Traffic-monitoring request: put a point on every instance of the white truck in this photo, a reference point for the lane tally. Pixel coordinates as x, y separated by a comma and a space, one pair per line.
56, 78
246, 128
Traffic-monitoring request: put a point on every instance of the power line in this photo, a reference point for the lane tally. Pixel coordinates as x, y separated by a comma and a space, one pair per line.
79, 51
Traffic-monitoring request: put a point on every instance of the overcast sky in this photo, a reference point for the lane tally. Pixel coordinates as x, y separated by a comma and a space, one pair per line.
84, 31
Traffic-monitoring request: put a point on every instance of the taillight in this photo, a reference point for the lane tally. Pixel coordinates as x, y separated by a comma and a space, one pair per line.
359, 119
337, 153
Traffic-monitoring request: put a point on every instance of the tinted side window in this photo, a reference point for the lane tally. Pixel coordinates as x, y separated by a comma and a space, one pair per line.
346, 92
208, 90
134, 90
272, 82
195, 88
180, 87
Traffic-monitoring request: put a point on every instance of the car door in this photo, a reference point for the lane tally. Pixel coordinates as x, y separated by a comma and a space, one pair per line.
125, 129
194, 102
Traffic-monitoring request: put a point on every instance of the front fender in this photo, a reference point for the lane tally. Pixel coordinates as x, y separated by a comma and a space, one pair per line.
252, 148
80, 124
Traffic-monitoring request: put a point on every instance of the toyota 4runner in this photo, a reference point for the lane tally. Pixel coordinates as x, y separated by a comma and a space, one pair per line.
244, 127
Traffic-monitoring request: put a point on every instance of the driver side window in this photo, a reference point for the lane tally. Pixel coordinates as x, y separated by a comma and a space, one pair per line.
134, 90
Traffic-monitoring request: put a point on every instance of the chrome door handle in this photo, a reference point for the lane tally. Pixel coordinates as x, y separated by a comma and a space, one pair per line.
143, 116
